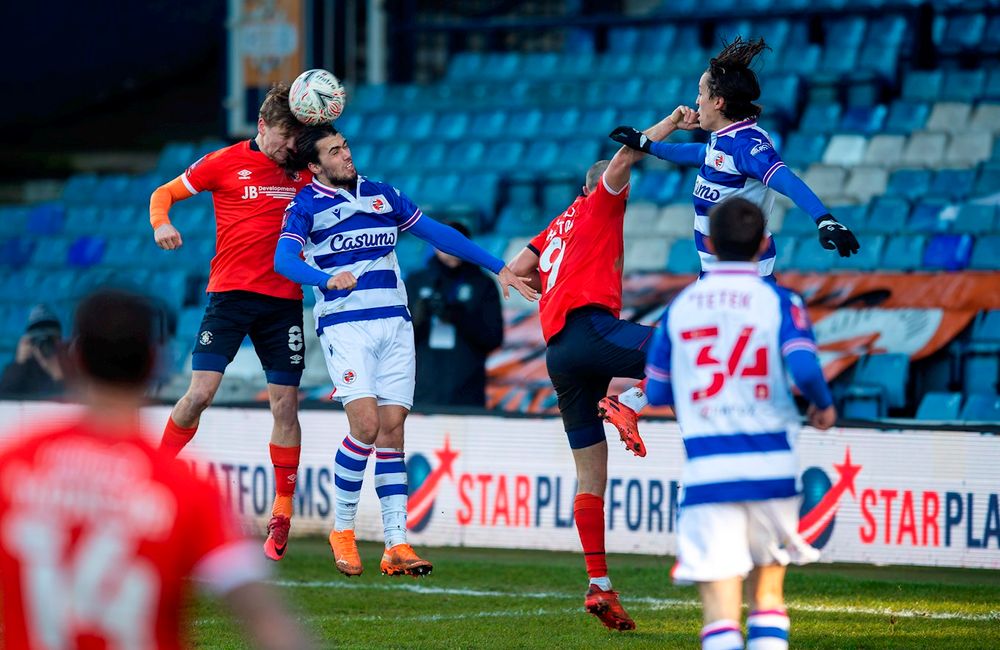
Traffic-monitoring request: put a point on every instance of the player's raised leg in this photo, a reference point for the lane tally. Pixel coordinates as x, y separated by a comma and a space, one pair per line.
348, 476
183, 421
399, 557
285, 448
622, 412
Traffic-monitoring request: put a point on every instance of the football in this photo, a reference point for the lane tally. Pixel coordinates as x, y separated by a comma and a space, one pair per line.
316, 97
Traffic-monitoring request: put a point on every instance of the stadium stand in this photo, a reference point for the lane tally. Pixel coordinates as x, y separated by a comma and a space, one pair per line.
900, 136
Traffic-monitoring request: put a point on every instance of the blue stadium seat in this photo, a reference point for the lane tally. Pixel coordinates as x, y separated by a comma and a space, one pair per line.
558, 193
888, 372
503, 155
664, 91
683, 257
524, 123
981, 408
866, 259
991, 40
479, 189
948, 252
86, 251
986, 254
464, 156
953, 184
975, 219
351, 123
540, 155
888, 30
46, 219
16, 252
125, 250
781, 95
803, 148
923, 85
802, 61
961, 33
561, 122
854, 216
863, 403
988, 181
657, 186
940, 407
926, 217
863, 119
785, 246
821, 117
656, 39
390, 157
910, 183
623, 39
519, 221
980, 356
812, 259
174, 159
905, 117
963, 85
903, 253
576, 157
797, 222
13, 220
488, 124
888, 215
382, 126
451, 126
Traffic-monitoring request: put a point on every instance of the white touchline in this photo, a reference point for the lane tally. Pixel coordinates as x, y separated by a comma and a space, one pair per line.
653, 603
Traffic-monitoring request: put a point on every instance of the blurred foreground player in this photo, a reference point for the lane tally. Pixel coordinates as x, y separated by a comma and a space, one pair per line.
346, 227
739, 160
250, 190
720, 356
99, 530
579, 259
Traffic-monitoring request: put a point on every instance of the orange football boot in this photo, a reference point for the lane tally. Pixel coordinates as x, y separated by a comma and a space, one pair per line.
625, 420
402, 560
277, 537
345, 552
605, 606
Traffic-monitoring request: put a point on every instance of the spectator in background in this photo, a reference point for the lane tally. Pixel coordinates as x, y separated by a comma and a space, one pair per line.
101, 530
456, 324
38, 368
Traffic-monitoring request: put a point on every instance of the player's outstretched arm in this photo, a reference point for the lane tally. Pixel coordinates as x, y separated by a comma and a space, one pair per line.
164, 233
525, 265
620, 169
287, 262
448, 240
833, 235
649, 141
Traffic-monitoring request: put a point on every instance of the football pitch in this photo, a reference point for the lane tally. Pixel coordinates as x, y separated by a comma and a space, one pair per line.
487, 598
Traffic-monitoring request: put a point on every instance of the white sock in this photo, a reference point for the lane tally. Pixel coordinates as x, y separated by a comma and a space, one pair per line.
349, 473
722, 635
391, 487
767, 630
634, 398
604, 582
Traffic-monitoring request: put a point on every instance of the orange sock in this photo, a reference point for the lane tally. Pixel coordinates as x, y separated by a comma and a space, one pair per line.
286, 467
588, 511
175, 437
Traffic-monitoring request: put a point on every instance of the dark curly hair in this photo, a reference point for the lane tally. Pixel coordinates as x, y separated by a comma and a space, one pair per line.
730, 77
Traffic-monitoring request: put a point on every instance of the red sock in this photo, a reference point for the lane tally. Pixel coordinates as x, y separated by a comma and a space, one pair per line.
588, 510
175, 437
286, 466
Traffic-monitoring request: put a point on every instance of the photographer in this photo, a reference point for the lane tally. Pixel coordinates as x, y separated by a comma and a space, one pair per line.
456, 324
38, 368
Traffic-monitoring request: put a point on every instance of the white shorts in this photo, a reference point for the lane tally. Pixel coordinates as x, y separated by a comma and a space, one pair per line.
716, 541
372, 358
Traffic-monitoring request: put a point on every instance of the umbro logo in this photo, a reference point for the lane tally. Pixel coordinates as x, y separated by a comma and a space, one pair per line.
243, 174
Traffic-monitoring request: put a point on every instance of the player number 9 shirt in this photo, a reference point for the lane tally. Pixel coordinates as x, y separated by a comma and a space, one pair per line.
580, 258
250, 193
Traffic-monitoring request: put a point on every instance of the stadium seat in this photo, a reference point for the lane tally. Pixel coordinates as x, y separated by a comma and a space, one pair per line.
910, 183
865, 120
820, 117
86, 251
962, 33
967, 149
949, 116
503, 155
646, 253
13, 220
46, 219
952, 184
926, 217
560, 122
963, 85
796, 223
940, 407
905, 117
986, 254
785, 247
863, 403
867, 182
975, 219
922, 85
991, 38
803, 148
640, 218
826, 181
382, 126
903, 253
981, 408
781, 95
676, 220
991, 89
16, 252
887, 215
658, 186
890, 372
519, 221
925, 150
683, 257
948, 252
866, 259
392, 157
885, 150
987, 182
985, 118
845, 150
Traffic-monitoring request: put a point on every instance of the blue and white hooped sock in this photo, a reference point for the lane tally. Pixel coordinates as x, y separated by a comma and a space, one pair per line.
348, 475
722, 635
391, 487
767, 630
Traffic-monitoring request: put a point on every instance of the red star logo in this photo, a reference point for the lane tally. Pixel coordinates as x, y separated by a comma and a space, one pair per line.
847, 471
447, 457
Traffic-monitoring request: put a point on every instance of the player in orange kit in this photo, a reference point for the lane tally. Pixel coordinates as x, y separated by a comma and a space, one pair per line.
250, 190
579, 258
100, 531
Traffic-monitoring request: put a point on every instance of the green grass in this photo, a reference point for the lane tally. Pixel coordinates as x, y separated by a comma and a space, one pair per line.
485, 598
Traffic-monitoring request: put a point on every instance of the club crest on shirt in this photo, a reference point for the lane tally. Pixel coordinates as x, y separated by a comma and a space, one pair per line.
379, 205
720, 160
349, 376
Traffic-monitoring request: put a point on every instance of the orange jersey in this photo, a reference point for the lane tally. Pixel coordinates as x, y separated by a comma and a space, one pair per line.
97, 534
250, 193
580, 257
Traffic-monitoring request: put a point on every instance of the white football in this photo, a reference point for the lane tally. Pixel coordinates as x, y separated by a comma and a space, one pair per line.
316, 97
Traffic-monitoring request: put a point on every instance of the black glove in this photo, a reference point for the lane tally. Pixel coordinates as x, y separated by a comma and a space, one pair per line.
631, 138
835, 235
